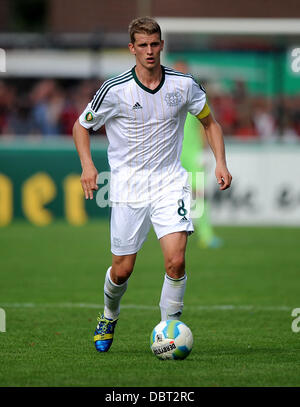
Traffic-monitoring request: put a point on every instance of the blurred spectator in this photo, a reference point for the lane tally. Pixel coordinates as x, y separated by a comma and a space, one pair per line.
239, 92
263, 119
296, 114
48, 102
224, 110
245, 128
287, 113
50, 107
69, 113
77, 99
288, 132
7, 99
20, 121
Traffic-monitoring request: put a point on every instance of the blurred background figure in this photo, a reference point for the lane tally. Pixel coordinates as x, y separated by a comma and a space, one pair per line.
263, 119
48, 102
194, 143
20, 121
7, 101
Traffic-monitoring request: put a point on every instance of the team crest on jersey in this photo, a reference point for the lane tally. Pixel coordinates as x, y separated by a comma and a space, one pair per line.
173, 98
89, 117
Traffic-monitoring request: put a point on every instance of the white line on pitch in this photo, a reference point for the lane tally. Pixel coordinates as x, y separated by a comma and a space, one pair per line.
150, 307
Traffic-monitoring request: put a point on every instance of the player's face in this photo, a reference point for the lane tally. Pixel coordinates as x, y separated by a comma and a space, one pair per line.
147, 49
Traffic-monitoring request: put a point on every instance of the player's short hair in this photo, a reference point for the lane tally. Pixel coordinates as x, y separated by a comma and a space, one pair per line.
145, 25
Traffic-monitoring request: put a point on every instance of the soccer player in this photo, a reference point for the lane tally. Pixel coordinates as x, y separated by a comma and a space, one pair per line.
144, 110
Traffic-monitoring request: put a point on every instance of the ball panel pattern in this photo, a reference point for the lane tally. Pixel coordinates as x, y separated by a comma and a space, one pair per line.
171, 339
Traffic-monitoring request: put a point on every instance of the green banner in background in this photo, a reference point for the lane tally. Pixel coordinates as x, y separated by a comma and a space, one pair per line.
40, 181
266, 73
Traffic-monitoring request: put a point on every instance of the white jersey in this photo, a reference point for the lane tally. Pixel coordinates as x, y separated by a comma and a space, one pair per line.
145, 132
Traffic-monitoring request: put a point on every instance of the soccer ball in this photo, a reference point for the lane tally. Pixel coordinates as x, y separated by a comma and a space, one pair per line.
171, 339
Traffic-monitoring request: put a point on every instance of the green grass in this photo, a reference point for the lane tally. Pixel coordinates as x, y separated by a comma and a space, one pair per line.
46, 273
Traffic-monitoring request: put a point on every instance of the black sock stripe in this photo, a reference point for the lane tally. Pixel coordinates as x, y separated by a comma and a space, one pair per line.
176, 279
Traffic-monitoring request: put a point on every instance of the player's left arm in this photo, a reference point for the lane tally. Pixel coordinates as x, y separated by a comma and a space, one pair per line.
214, 135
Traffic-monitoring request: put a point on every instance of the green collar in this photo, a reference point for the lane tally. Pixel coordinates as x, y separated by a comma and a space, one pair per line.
144, 87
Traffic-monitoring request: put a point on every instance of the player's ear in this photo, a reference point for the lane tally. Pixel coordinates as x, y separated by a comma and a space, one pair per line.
131, 48
162, 43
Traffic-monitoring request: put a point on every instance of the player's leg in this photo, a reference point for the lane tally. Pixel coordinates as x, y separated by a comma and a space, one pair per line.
171, 221
171, 301
173, 246
129, 229
115, 284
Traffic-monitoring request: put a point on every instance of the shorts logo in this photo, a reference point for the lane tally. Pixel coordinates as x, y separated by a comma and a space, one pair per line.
89, 117
117, 241
173, 98
184, 219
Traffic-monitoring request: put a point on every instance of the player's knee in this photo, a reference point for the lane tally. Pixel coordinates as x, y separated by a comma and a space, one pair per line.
121, 271
175, 266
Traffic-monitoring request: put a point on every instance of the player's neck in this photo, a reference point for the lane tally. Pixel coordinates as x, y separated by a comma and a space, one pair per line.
150, 78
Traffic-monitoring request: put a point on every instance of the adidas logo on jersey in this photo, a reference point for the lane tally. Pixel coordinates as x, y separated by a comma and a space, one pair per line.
184, 219
137, 106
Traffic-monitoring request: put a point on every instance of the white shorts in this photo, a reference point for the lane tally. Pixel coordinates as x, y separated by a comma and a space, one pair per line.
130, 223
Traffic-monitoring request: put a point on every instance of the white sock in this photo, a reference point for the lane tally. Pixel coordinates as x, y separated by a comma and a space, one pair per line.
171, 300
112, 296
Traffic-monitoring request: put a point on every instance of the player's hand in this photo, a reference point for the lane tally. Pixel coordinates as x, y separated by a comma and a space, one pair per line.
223, 176
88, 181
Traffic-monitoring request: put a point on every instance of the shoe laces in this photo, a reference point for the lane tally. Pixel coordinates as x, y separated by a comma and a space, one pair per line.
104, 324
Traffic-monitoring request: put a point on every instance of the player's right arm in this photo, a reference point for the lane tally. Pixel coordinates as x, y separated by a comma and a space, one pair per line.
89, 172
102, 108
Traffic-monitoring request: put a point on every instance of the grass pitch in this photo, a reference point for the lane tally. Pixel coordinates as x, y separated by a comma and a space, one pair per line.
238, 304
